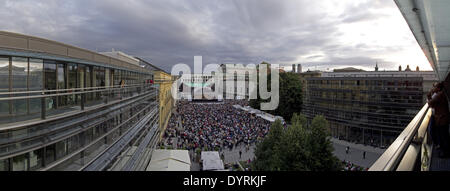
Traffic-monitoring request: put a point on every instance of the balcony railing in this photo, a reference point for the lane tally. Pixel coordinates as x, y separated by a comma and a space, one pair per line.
411, 151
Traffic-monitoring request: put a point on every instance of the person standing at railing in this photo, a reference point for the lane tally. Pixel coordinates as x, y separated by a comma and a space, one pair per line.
441, 117
431, 124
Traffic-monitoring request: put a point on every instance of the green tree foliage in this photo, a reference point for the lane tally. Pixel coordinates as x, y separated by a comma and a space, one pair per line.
290, 102
298, 147
271, 144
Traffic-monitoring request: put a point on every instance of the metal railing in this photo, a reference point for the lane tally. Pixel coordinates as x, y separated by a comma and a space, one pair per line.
103, 94
411, 150
103, 160
23, 138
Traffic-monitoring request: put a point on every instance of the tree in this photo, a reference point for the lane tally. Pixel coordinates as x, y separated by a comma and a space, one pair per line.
266, 149
321, 146
298, 147
290, 102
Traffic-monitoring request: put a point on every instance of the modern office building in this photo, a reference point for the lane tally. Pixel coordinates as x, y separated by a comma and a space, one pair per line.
67, 108
366, 107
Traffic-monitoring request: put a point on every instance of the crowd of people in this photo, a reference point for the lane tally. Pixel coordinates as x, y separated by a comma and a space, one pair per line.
213, 126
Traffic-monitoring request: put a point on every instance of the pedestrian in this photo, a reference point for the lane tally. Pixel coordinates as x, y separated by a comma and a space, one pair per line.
347, 149
240, 154
364, 155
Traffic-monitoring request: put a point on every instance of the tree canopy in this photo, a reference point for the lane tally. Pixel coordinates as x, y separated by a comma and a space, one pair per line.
290, 102
298, 147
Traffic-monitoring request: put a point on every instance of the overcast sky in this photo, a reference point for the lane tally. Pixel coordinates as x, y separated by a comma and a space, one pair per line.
319, 34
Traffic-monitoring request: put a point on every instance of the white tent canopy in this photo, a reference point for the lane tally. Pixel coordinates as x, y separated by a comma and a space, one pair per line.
211, 161
170, 160
262, 114
268, 118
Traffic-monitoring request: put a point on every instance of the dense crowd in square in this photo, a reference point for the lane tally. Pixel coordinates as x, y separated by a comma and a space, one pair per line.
213, 126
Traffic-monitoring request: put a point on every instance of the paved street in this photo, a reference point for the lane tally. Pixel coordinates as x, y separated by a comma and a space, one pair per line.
233, 155
355, 154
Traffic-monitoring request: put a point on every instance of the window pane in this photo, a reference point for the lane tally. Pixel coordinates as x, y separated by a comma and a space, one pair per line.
35, 83
62, 100
80, 78
89, 81
50, 82
4, 165
72, 82
73, 143
50, 154
20, 163
99, 80
107, 83
36, 159
61, 149
4, 85
19, 73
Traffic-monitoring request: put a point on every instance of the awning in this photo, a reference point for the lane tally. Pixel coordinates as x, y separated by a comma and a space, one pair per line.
211, 161
170, 160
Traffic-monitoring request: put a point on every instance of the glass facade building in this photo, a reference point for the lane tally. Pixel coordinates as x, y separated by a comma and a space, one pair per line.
63, 112
367, 109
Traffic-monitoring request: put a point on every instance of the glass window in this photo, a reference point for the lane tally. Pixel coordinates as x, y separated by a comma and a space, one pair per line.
72, 83
36, 159
4, 165
89, 81
19, 71
107, 77
62, 100
99, 73
116, 77
50, 154
89, 135
99, 76
35, 83
20, 163
50, 83
73, 143
4, 85
81, 79
61, 149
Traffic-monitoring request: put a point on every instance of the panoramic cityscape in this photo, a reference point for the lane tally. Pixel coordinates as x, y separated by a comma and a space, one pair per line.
354, 85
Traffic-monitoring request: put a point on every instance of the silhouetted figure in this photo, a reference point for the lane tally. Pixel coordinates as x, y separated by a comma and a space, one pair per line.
240, 154
441, 116
364, 155
347, 149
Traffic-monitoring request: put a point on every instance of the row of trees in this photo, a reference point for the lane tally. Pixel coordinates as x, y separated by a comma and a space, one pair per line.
298, 147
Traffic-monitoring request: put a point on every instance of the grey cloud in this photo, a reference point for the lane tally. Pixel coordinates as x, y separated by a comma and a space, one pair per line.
167, 32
